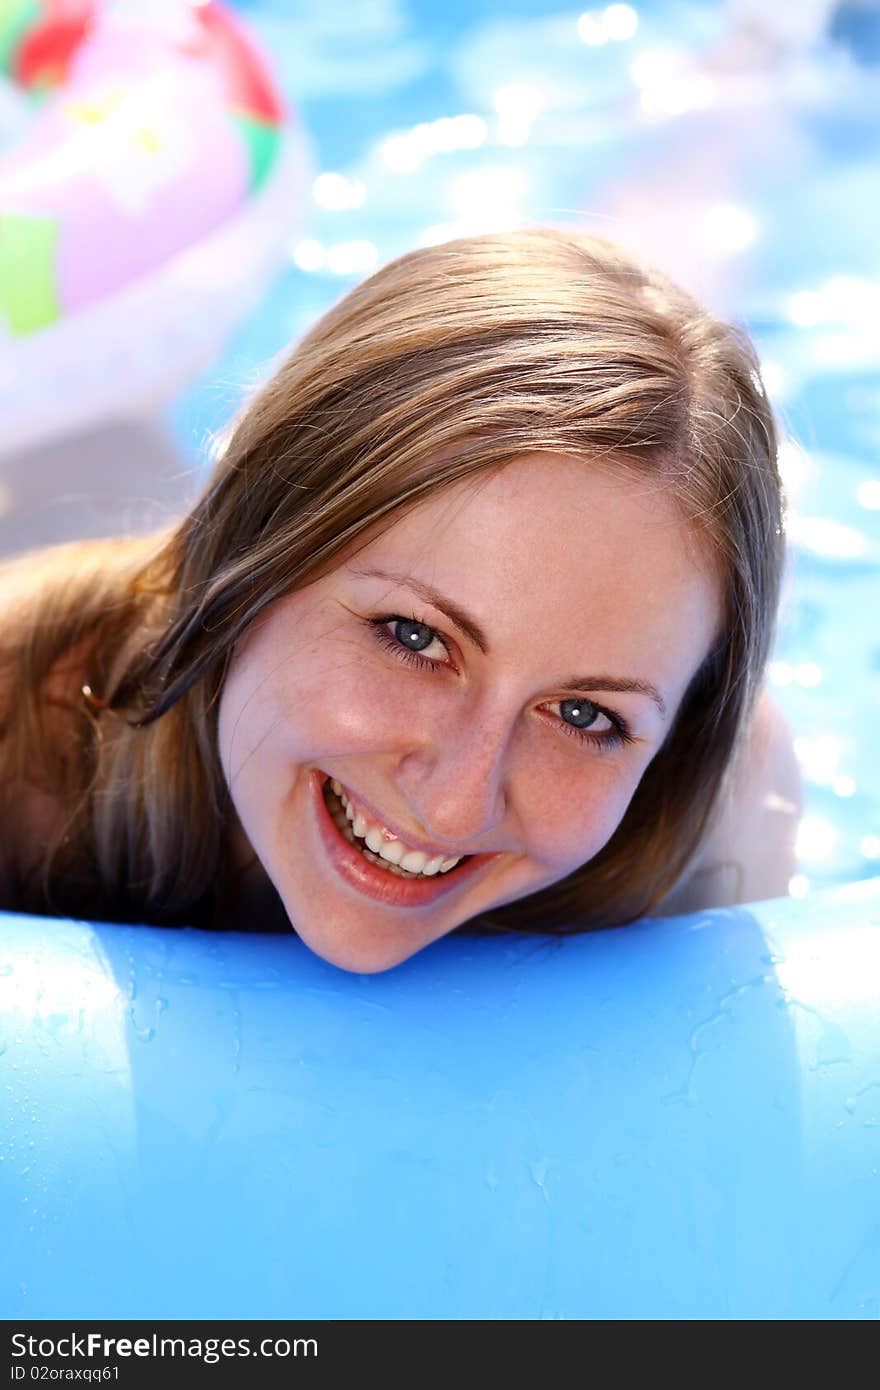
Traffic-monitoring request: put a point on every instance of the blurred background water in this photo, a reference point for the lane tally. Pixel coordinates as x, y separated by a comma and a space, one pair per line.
735, 145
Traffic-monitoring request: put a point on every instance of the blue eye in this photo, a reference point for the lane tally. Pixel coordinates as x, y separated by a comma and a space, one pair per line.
407, 638
579, 716
580, 713
415, 637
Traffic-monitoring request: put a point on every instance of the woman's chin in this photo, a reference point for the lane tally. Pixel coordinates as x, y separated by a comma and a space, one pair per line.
355, 953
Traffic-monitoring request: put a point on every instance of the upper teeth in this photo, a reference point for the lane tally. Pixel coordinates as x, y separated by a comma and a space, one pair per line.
387, 846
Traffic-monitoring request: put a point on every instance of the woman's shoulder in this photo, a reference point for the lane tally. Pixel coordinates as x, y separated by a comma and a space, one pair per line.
55, 601
41, 713
23, 593
748, 851
29, 573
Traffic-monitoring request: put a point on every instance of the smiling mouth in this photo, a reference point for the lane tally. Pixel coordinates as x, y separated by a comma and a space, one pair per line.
344, 825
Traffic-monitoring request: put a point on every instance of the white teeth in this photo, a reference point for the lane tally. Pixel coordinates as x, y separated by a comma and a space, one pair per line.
374, 839
415, 861
392, 852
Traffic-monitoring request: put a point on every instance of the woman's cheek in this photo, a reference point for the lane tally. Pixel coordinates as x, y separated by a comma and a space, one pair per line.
349, 706
583, 820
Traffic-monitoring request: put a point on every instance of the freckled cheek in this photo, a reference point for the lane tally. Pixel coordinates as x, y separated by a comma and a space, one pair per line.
569, 829
338, 708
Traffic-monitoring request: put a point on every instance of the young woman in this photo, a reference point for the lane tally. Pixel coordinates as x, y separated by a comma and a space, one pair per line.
468, 628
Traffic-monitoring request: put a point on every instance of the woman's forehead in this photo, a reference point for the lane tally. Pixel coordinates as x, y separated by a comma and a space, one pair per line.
549, 507
553, 548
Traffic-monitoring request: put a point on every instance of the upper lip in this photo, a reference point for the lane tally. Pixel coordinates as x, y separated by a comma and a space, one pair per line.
360, 803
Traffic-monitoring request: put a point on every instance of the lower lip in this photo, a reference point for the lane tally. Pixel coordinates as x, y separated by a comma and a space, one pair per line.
377, 883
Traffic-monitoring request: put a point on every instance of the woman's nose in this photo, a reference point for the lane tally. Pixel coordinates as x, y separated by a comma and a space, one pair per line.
456, 782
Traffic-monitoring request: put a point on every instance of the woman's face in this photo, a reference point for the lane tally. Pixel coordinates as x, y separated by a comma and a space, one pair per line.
487, 681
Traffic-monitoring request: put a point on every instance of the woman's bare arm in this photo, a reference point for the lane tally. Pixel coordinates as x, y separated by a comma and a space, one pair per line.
749, 853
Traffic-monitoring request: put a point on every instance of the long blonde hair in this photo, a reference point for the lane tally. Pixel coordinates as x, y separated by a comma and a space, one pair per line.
475, 351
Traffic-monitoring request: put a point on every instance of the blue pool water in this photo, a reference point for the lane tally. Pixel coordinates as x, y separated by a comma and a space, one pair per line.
736, 148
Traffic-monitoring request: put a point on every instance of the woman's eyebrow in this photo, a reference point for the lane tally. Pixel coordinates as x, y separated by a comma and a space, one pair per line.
471, 628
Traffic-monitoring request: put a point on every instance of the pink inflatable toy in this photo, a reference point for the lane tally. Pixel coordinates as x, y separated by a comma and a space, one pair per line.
149, 190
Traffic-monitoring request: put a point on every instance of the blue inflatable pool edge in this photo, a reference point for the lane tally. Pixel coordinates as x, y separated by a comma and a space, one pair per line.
678, 1119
